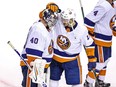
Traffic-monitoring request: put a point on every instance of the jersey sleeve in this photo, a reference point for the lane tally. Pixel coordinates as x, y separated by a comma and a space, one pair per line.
35, 44
86, 39
88, 45
93, 17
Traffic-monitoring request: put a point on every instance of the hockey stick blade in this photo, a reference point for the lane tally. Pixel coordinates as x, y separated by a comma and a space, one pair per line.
43, 84
19, 55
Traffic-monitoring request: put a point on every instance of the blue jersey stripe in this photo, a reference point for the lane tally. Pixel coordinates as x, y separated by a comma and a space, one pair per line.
88, 22
104, 37
64, 54
47, 59
34, 52
24, 56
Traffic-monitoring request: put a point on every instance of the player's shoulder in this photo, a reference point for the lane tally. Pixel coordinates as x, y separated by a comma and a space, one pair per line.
80, 30
106, 5
114, 2
38, 24
39, 28
114, 5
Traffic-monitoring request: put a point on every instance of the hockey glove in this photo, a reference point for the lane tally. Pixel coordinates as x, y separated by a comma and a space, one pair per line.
46, 68
92, 64
114, 28
91, 33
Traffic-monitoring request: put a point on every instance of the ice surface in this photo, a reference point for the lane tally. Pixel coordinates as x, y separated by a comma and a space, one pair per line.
16, 17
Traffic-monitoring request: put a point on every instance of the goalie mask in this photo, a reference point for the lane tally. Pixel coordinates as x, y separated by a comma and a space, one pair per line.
49, 17
54, 7
68, 16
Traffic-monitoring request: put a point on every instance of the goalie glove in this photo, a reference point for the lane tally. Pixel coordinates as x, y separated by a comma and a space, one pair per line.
46, 68
37, 74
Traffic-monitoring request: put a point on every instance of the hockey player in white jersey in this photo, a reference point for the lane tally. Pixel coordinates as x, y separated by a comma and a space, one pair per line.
114, 3
69, 39
100, 24
38, 46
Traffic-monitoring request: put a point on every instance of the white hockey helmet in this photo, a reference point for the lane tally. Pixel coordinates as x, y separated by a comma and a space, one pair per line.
68, 16
49, 17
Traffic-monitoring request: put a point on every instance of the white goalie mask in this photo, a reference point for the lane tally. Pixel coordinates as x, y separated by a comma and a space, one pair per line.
50, 17
68, 16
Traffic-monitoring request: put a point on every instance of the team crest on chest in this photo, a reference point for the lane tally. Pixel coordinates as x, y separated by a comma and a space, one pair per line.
50, 48
63, 42
112, 21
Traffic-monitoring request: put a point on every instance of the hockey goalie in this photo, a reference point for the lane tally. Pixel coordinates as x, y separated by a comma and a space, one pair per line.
37, 49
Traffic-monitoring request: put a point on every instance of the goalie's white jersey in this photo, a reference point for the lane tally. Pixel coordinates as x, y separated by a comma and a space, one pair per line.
67, 45
39, 43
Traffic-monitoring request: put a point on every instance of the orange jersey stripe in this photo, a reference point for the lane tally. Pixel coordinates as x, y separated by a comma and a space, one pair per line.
101, 58
101, 43
59, 59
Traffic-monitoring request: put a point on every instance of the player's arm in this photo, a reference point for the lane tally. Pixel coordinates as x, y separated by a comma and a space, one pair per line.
93, 17
113, 26
89, 48
35, 47
34, 51
23, 54
114, 30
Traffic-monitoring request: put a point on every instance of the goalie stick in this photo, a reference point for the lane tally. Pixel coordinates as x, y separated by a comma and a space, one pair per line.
19, 55
43, 84
81, 8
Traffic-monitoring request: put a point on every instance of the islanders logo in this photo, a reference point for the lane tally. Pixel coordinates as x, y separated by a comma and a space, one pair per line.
63, 42
50, 48
112, 22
